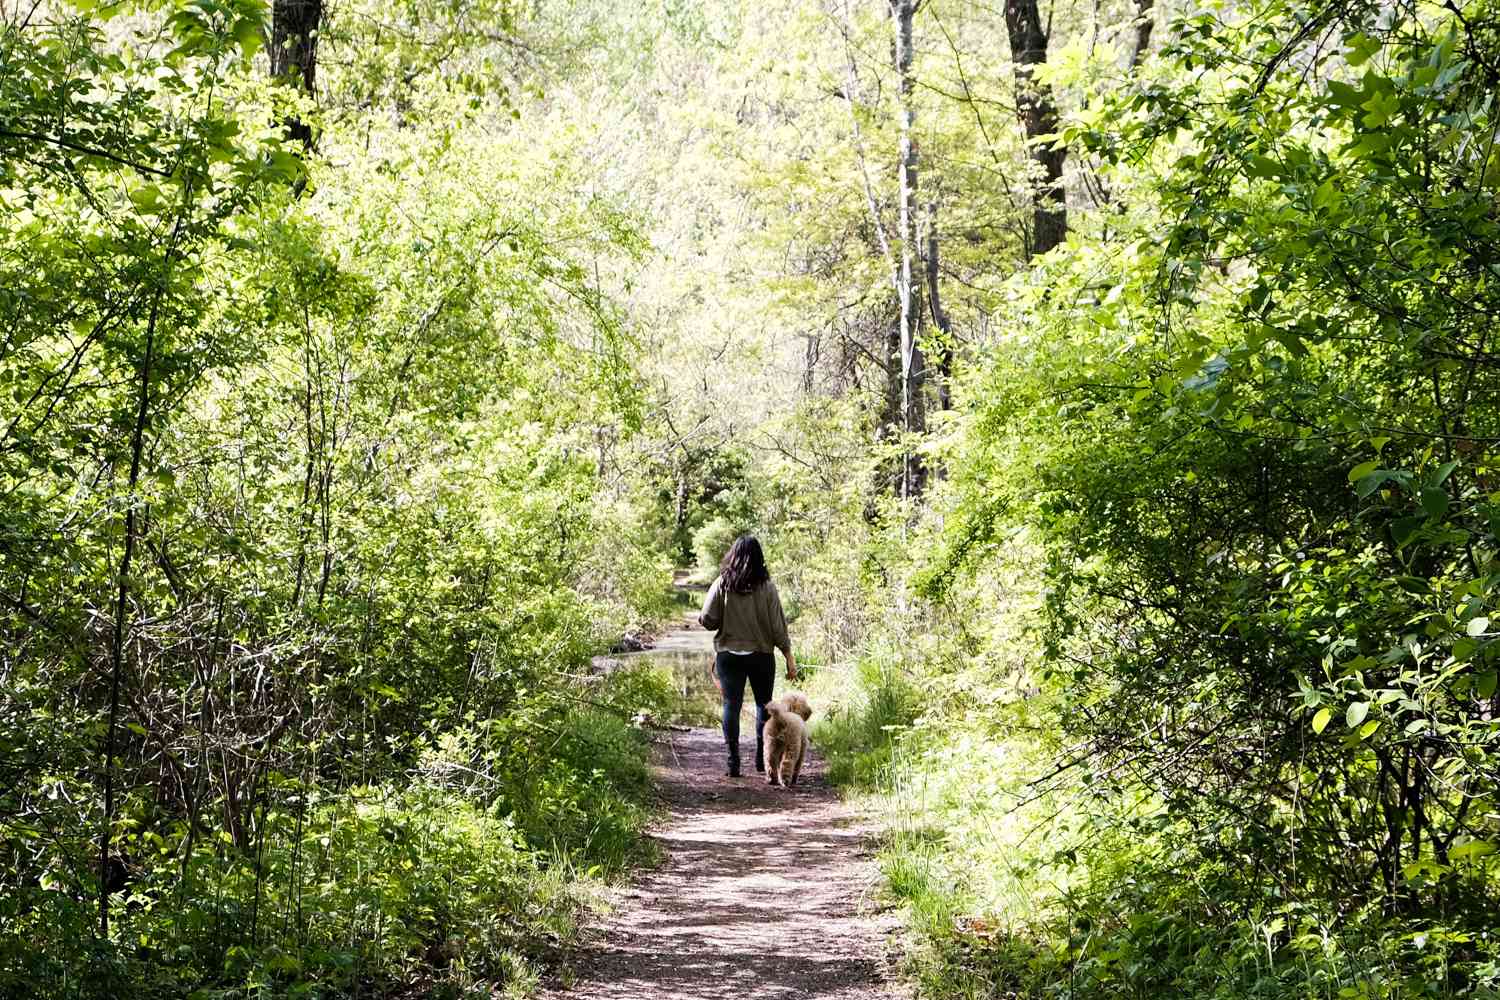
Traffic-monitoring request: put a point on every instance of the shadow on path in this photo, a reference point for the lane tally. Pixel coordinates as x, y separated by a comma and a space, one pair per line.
762, 892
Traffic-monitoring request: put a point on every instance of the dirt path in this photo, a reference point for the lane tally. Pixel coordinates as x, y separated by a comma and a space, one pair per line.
761, 892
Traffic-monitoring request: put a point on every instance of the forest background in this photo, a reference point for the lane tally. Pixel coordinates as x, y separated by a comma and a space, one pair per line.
1111, 384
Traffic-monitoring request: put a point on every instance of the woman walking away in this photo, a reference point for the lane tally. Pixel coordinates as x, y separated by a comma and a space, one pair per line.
744, 610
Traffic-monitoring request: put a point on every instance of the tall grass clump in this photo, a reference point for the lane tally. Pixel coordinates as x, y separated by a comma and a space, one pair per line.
869, 704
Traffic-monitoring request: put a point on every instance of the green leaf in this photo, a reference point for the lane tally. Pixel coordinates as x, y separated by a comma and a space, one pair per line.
1368, 729
247, 35
1356, 712
1370, 483
1471, 849
1477, 626
1371, 144
1263, 166
147, 198
387, 691
1343, 95
1418, 868
1289, 340
1484, 684
1381, 108
1361, 48
1362, 470
1403, 528
1434, 501
1325, 195
1320, 721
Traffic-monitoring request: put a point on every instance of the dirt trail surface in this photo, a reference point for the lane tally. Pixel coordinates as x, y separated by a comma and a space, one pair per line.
761, 892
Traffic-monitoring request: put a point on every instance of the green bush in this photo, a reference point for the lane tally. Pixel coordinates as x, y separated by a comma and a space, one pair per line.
418, 883
712, 540
627, 576
462, 880
569, 770
1019, 887
405, 887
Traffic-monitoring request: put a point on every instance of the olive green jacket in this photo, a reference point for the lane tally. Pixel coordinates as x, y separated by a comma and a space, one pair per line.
746, 623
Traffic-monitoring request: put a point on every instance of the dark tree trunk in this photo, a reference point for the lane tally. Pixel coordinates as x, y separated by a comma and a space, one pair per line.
294, 52
1028, 48
1143, 25
108, 883
939, 317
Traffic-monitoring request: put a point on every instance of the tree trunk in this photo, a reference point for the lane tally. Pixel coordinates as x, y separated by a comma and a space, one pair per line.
939, 317
294, 52
1143, 25
1028, 48
912, 416
122, 602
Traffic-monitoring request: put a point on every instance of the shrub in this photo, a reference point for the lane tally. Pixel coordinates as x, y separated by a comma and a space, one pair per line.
712, 540
459, 880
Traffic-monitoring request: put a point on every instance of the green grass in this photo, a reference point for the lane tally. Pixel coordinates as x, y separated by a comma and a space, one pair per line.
863, 710
1060, 896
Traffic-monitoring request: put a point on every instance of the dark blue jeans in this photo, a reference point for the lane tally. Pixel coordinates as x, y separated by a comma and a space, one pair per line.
733, 671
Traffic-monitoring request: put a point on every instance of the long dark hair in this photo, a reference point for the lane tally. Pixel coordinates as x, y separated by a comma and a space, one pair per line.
744, 566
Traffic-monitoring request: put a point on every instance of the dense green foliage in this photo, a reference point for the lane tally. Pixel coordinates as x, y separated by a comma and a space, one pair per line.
1242, 435
1146, 594
1179, 677
299, 555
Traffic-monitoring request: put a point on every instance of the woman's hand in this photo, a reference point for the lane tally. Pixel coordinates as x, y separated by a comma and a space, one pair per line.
791, 667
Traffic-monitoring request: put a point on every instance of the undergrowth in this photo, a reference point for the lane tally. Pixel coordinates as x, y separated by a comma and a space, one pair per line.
462, 881
1080, 894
